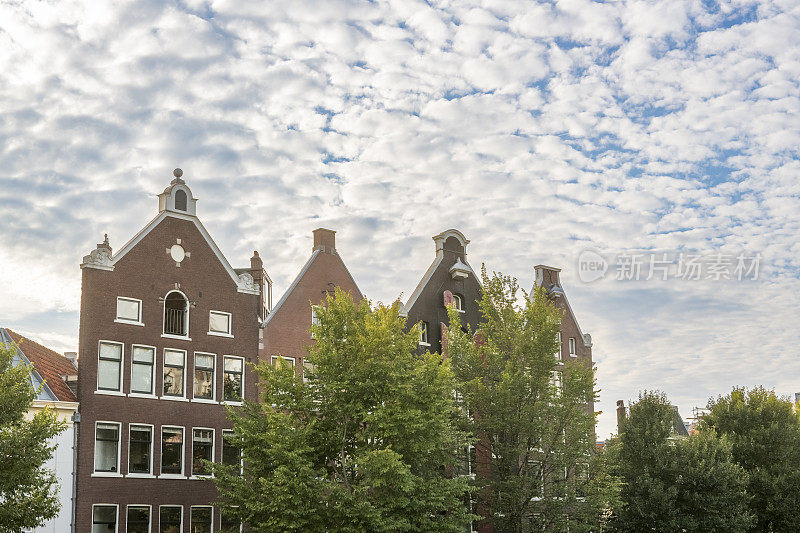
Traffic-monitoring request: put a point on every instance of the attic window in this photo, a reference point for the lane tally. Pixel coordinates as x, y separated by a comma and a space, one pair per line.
458, 302
423, 334
176, 314
180, 200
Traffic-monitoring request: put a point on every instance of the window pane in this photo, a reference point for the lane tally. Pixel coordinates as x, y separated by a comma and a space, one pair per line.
108, 375
104, 518
231, 454
172, 357
110, 351
139, 460
142, 378
204, 361
171, 451
233, 387
202, 449
143, 355
203, 384
170, 520
233, 364
219, 322
105, 448
127, 309
201, 520
173, 381
138, 520
230, 522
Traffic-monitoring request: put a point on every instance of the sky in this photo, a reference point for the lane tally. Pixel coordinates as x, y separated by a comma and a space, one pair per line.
544, 131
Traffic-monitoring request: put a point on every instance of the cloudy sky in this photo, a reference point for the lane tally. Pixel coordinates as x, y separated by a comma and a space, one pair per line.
539, 129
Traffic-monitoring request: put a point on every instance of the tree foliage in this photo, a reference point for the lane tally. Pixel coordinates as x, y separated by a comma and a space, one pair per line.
27, 489
765, 433
534, 434
675, 484
364, 443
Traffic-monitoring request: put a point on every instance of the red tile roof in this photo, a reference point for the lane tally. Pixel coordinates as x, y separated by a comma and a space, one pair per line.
50, 365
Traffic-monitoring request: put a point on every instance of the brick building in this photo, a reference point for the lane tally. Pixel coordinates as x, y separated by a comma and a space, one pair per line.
285, 331
166, 329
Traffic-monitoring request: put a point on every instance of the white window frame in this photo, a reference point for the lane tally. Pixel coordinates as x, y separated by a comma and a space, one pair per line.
182, 475
558, 353
314, 317
222, 451
573, 347
180, 528
213, 398
119, 320
117, 473
192, 507
164, 396
152, 373
116, 510
164, 317
149, 514
228, 333
557, 379
152, 446
233, 402
112, 392
191, 474
307, 365
241, 523
458, 302
275, 358
424, 334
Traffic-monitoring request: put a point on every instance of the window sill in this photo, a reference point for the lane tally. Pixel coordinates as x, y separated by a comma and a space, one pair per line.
201, 478
427, 344
175, 398
172, 476
220, 334
141, 476
238, 404
204, 400
106, 474
142, 395
176, 337
110, 392
129, 322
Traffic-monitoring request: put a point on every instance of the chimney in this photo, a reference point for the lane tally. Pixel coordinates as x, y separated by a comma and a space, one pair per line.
325, 240
547, 276
73, 358
255, 262
620, 416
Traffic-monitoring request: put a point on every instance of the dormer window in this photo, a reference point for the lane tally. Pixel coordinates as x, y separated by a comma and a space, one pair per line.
423, 334
458, 302
176, 314
180, 200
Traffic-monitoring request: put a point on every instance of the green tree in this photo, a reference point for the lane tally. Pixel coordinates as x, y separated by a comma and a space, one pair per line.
27, 489
363, 443
765, 432
674, 484
535, 465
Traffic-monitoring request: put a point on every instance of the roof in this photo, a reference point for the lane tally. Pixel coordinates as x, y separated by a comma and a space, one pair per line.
49, 365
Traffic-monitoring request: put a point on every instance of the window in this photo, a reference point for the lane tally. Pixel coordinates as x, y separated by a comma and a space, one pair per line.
219, 322
279, 359
308, 369
104, 518
176, 314
314, 318
180, 200
572, 346
170, 519
558, 351
536, 473
202, 449
423, 334
129, 310
142, 365
172, 450
204, 376
230, 522
557, 380
458, 302
140, 449
109, 366
174, 361
233, 389
106, 447
138, 519
201, 519
231, 451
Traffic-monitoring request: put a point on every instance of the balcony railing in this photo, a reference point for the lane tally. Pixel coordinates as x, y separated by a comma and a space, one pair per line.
175, 322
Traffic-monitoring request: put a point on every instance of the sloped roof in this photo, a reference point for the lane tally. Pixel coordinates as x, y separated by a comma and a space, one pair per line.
49, 364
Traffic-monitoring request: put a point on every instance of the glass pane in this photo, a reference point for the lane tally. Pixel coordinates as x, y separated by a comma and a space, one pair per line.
231, 455
127, 309
230, 522
233, 387
203, 384
233, 364
110, 351
170, 520
173, 381
172, 357
143, 355
105, 456
138, 520
104, 519
142, 378
219, 323
204, 361
201, 520
139, 458
171, 451
108, 375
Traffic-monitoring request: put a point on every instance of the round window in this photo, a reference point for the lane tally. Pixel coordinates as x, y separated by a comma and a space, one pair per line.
177, 253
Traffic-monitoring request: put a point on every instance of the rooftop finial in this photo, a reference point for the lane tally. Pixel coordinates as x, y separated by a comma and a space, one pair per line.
177, 173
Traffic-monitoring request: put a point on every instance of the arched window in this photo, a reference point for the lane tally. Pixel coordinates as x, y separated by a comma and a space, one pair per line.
180, 200
458, 301
176, 314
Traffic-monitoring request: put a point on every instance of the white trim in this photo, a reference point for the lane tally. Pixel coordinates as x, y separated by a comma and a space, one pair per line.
107, 473
244, 368
142, 476
180, 528
273, 358
220, 333
213, 378
191, 474
424, 281
116, 513
286, 294
202, 400
191, 507
149, 514
152, 440
175, 337
215, 334
110, 393
145, 396
165, 396
121, 320
121, 366
174, 398
183, 452
152, 372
